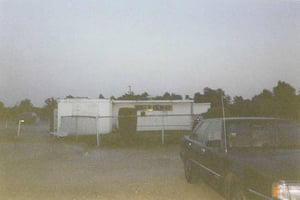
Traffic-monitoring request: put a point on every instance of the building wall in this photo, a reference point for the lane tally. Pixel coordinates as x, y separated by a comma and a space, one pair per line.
89, 116
83, 116
180, 117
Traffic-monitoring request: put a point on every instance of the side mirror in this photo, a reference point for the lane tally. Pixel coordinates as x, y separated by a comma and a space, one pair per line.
213, 143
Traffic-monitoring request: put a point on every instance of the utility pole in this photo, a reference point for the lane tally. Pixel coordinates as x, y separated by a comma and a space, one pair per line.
130, 89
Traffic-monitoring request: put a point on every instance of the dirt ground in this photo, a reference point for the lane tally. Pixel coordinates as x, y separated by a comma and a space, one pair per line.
38, 166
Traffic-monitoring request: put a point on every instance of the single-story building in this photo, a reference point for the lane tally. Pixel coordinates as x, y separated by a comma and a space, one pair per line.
100, 116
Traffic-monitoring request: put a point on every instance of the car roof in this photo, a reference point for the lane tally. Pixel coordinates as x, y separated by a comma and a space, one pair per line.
246, 118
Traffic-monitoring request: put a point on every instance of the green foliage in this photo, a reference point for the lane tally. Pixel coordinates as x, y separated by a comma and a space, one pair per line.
1, 105
168, 96
212, 96
286, 100
12, 113
25, 106
48, 111
217, 112
3, 111
28, 117
132, 96
145, 96
282, 102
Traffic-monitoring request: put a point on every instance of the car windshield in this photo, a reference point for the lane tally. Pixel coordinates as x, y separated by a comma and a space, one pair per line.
262, 133
288, 135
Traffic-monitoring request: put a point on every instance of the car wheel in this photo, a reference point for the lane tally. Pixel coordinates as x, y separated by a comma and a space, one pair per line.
190, 171
238, 193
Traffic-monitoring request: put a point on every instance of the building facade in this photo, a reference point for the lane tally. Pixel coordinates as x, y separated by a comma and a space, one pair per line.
100, 116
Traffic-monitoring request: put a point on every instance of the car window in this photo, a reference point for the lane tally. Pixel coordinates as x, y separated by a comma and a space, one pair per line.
288, 135
201, 132
238, 134
250, 133
214, 131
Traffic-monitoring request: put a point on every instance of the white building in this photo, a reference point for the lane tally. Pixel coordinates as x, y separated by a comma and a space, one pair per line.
83, 116
162, 114
92, 116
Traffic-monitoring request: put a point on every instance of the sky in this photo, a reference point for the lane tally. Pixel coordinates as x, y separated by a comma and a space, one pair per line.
89, 47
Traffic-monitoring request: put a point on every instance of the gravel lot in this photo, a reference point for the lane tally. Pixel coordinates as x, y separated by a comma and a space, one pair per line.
38, 166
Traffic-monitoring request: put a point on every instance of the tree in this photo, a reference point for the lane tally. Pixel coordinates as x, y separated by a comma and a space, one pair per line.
2, 110
264, 105
25, 106
144, 96
101, 96
284, 90
286, 100
197, 97
241, 107
217, 112
48, 110
168, 96
176, 96
128, 96
212, 96
298, 107
50, 104
132, 96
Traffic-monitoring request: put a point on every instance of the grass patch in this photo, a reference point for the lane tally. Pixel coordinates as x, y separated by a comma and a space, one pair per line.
8, 135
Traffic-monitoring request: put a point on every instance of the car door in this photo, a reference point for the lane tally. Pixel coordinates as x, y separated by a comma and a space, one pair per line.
197, 144
212, 157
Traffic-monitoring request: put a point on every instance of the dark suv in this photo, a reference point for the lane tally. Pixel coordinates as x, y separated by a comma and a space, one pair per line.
247, 158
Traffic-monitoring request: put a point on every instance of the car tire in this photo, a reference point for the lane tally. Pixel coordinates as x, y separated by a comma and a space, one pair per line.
190, 171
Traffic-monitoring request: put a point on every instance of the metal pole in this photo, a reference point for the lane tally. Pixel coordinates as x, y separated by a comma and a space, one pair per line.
76, 127
224, 124
97, 132
163, 131
19, 127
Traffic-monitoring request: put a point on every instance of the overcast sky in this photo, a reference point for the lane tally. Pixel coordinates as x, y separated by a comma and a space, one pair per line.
87, 47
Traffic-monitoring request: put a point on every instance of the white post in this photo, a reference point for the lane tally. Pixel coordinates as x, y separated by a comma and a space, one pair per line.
224, 124
163, 131
19, 127
76, 127
97, 132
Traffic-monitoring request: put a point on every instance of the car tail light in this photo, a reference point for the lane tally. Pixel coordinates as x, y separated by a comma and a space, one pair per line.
280, 191
286, 190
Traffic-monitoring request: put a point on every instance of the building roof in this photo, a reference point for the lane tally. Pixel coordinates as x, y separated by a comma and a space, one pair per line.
152, 101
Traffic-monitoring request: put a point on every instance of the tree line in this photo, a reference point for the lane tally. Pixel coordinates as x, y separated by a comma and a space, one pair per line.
282, 102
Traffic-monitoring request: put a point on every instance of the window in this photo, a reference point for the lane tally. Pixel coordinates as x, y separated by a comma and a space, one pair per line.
289, 135
154, 107
201, 132
250, 133
143, 114
214, 131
